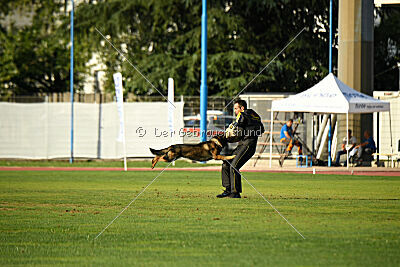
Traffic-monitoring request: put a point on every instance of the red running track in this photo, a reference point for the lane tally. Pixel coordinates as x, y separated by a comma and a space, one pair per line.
347, 172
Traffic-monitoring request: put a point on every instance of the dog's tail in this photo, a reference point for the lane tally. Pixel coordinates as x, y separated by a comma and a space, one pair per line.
158, 152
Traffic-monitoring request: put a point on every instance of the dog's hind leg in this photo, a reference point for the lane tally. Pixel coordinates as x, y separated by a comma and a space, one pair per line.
155, 160
159, 158
167, 157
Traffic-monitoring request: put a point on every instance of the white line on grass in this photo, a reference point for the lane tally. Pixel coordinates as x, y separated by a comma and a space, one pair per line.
134, 66
267, 201
266, 66
133, 200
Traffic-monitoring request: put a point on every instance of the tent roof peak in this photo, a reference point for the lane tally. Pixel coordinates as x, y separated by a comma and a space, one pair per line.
330, 95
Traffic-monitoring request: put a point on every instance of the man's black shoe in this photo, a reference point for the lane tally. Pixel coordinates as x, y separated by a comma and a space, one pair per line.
224, 194
235, 195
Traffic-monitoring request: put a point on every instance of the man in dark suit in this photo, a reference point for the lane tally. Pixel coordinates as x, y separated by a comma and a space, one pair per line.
248, 124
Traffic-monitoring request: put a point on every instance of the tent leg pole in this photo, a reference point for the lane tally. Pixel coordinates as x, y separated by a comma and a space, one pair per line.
347, 139
270, 139
378, 138
330, 141
312, 133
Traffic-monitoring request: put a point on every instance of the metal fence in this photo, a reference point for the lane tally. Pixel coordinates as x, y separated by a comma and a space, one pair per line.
261, 103
192, 103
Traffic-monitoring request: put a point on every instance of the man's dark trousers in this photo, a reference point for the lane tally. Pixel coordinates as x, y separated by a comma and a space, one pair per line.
339, 153
231, 179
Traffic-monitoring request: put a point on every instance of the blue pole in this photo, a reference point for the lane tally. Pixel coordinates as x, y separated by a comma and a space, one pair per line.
203, 84
71, 83
330, 71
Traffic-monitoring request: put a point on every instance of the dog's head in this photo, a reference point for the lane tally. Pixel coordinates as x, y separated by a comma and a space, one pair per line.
220, 140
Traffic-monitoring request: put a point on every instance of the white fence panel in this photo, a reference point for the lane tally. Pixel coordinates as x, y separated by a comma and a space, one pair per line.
40, 131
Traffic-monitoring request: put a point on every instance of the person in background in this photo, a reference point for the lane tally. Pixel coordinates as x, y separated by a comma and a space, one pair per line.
287, 138
352, 142
367, 147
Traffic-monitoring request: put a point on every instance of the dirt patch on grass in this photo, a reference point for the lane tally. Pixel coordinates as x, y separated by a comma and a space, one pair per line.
7, 209
72, 211
51, 205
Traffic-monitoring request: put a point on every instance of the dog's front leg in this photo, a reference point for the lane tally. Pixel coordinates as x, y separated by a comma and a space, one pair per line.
225, 157
220, 157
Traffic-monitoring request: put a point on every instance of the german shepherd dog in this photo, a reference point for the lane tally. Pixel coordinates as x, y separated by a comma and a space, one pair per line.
201, 152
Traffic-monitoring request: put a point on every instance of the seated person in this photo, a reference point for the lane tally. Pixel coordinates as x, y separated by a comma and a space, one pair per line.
366, 148
287, 138
352, 142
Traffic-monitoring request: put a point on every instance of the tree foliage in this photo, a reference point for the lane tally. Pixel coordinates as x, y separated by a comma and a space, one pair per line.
162, 39
35, 57
387, 49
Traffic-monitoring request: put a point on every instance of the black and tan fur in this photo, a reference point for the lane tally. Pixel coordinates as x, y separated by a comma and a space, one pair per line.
201, 152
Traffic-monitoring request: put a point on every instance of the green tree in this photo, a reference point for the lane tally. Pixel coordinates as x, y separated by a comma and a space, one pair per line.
163, 40
387, 49
35, 57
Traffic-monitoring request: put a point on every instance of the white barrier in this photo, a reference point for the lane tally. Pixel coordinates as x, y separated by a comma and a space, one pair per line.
42, 131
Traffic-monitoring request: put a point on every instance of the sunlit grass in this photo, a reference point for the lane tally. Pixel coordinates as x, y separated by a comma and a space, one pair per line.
51, 218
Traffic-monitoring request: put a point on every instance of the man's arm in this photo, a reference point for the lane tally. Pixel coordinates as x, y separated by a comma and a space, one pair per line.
287, 134
232, 130
240, 120
351, 146
353, 143
362, 144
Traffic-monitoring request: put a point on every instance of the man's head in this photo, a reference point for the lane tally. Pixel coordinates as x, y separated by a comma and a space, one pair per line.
349, 133
367, 134
239, 106
289, 123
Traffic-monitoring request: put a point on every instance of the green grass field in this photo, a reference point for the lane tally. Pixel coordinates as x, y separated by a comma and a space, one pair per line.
51, 218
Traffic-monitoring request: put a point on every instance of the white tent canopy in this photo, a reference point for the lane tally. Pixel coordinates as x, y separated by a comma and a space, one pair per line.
328, 96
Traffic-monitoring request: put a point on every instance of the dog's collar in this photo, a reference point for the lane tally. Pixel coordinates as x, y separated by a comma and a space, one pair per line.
215, 140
